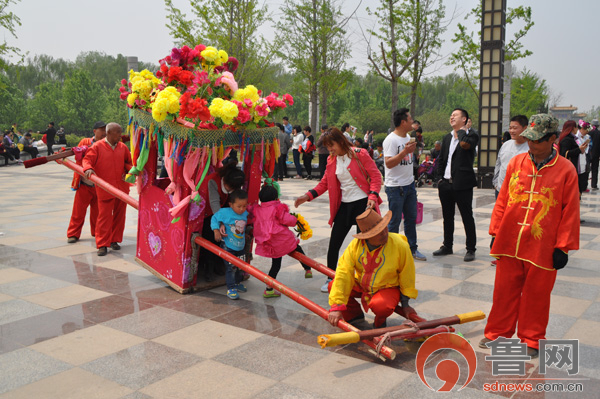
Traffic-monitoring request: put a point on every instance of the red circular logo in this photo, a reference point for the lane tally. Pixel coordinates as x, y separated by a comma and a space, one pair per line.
446, 370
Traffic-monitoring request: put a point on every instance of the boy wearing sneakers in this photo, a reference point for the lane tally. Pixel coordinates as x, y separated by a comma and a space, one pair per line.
229, 226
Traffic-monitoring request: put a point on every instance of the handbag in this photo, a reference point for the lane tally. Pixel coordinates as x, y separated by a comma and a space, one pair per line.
419, 212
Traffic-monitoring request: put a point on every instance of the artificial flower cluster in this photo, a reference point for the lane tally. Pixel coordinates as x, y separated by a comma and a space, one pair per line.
302, 227
201, 81
138, 91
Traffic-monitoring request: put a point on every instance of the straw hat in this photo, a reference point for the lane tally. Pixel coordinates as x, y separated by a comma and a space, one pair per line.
371, 223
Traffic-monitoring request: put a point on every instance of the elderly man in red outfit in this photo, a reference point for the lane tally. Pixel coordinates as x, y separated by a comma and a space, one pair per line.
535, 223
110, 159
85, 192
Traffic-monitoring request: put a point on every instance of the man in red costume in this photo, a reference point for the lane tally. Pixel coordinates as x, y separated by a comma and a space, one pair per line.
534, 224
85, 192
110, 159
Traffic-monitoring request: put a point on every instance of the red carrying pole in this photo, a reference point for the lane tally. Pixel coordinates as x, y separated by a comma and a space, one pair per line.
271, 282
109, 188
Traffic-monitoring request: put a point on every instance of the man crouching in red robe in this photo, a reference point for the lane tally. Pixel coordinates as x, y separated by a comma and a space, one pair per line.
535, 223
110, 159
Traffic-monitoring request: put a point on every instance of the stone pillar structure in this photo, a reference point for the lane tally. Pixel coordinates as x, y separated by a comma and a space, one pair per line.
491, 85
132, 63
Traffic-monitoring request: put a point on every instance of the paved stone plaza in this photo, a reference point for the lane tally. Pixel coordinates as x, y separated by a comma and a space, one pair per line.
74, 325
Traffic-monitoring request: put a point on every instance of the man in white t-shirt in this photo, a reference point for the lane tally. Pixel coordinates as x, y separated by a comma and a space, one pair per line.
517, 145
398, 152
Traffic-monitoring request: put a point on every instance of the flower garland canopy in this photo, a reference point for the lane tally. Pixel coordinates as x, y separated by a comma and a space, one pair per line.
197, 85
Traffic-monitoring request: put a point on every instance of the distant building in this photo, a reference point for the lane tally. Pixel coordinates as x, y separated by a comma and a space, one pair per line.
563, 113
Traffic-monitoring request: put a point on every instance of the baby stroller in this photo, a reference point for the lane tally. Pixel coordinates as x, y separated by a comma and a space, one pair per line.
426, 172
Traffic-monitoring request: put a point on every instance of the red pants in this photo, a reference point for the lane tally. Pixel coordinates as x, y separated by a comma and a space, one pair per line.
84, 196
382, 303
111, 221
521, 296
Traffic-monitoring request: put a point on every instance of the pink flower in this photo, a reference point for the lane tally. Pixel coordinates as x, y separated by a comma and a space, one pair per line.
262, 109
123, 81
243, 115
248, 102
228, 80
288, 98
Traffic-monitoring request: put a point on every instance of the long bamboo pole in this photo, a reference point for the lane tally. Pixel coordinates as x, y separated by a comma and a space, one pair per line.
271, 282
355, 336
109, 188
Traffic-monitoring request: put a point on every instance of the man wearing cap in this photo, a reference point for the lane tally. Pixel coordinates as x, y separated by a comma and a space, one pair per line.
110, 159
595, 153
535, 223
85, 192
377, 267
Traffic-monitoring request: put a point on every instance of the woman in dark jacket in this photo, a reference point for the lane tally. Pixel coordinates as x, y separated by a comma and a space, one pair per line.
571, 147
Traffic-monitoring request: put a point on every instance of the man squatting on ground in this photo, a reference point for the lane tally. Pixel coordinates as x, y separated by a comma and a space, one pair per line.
377, 267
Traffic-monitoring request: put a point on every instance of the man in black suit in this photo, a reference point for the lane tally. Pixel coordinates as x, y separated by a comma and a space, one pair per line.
455, 168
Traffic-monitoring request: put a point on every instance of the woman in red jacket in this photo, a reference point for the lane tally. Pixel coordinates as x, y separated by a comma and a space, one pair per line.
353, 182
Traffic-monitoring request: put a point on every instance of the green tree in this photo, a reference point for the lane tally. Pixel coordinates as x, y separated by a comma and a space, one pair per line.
424, 25
529, 94
12, 103
44, 107
399, 47
466, 58
83, 101
9, 22
230, 25
313, 41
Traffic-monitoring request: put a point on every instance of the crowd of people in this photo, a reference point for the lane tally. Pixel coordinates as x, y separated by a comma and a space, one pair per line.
539, 177
14, 142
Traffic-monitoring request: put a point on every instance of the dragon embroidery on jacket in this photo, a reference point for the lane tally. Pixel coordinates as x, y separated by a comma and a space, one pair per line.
516, 194
371, 262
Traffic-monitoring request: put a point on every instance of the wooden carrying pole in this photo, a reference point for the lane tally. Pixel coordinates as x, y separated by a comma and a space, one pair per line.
355, 336
109, 188
271, 282
30, 163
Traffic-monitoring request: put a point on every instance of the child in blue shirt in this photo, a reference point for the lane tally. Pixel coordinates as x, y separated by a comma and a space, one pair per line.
229, 226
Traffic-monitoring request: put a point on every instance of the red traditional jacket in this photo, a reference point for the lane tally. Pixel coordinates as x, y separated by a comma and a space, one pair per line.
87, 141
110, 165
536, 211
361, 167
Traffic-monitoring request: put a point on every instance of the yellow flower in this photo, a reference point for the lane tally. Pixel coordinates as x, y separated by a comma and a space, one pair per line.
226, 110
223, 56
131, 99
210, 54
166, 102
249, 92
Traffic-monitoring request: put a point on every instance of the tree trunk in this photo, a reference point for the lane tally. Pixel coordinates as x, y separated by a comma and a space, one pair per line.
394, 101
314, 104
323, 107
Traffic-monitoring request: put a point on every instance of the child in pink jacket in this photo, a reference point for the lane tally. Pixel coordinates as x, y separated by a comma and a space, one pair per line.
272, 221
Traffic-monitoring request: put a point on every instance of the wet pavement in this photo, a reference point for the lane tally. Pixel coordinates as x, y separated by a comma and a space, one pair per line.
76, 325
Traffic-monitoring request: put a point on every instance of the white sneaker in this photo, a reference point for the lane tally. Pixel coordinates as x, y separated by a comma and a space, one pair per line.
325, 287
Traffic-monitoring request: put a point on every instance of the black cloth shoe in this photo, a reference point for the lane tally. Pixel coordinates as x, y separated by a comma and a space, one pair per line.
470, 256
102, 251
443, 251
532, 352
72, 240
483, 342
115, 246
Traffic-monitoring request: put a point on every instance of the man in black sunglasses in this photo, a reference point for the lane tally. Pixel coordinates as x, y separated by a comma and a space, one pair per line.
535, 223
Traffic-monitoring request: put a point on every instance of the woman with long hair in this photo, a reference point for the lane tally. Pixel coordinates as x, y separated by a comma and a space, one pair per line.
573, 146
353, 182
